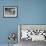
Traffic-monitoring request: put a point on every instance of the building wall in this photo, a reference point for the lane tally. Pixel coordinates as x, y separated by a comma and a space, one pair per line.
29, 12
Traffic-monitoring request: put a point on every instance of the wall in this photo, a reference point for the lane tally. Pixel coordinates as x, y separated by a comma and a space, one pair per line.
32, 11
29, 12
7, 25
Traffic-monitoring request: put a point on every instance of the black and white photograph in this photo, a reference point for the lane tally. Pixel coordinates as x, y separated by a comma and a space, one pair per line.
31, 34
10, 11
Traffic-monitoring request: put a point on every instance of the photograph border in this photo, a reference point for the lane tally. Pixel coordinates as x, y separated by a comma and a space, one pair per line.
20, 31
11, 16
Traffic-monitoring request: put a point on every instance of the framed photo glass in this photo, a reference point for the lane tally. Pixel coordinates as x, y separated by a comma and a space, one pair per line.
10, 11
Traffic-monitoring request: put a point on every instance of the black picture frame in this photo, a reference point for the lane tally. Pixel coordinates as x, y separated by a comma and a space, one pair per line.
10, 11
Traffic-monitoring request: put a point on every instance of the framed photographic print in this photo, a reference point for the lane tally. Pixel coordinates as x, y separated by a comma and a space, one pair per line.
33, 32
10, 11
